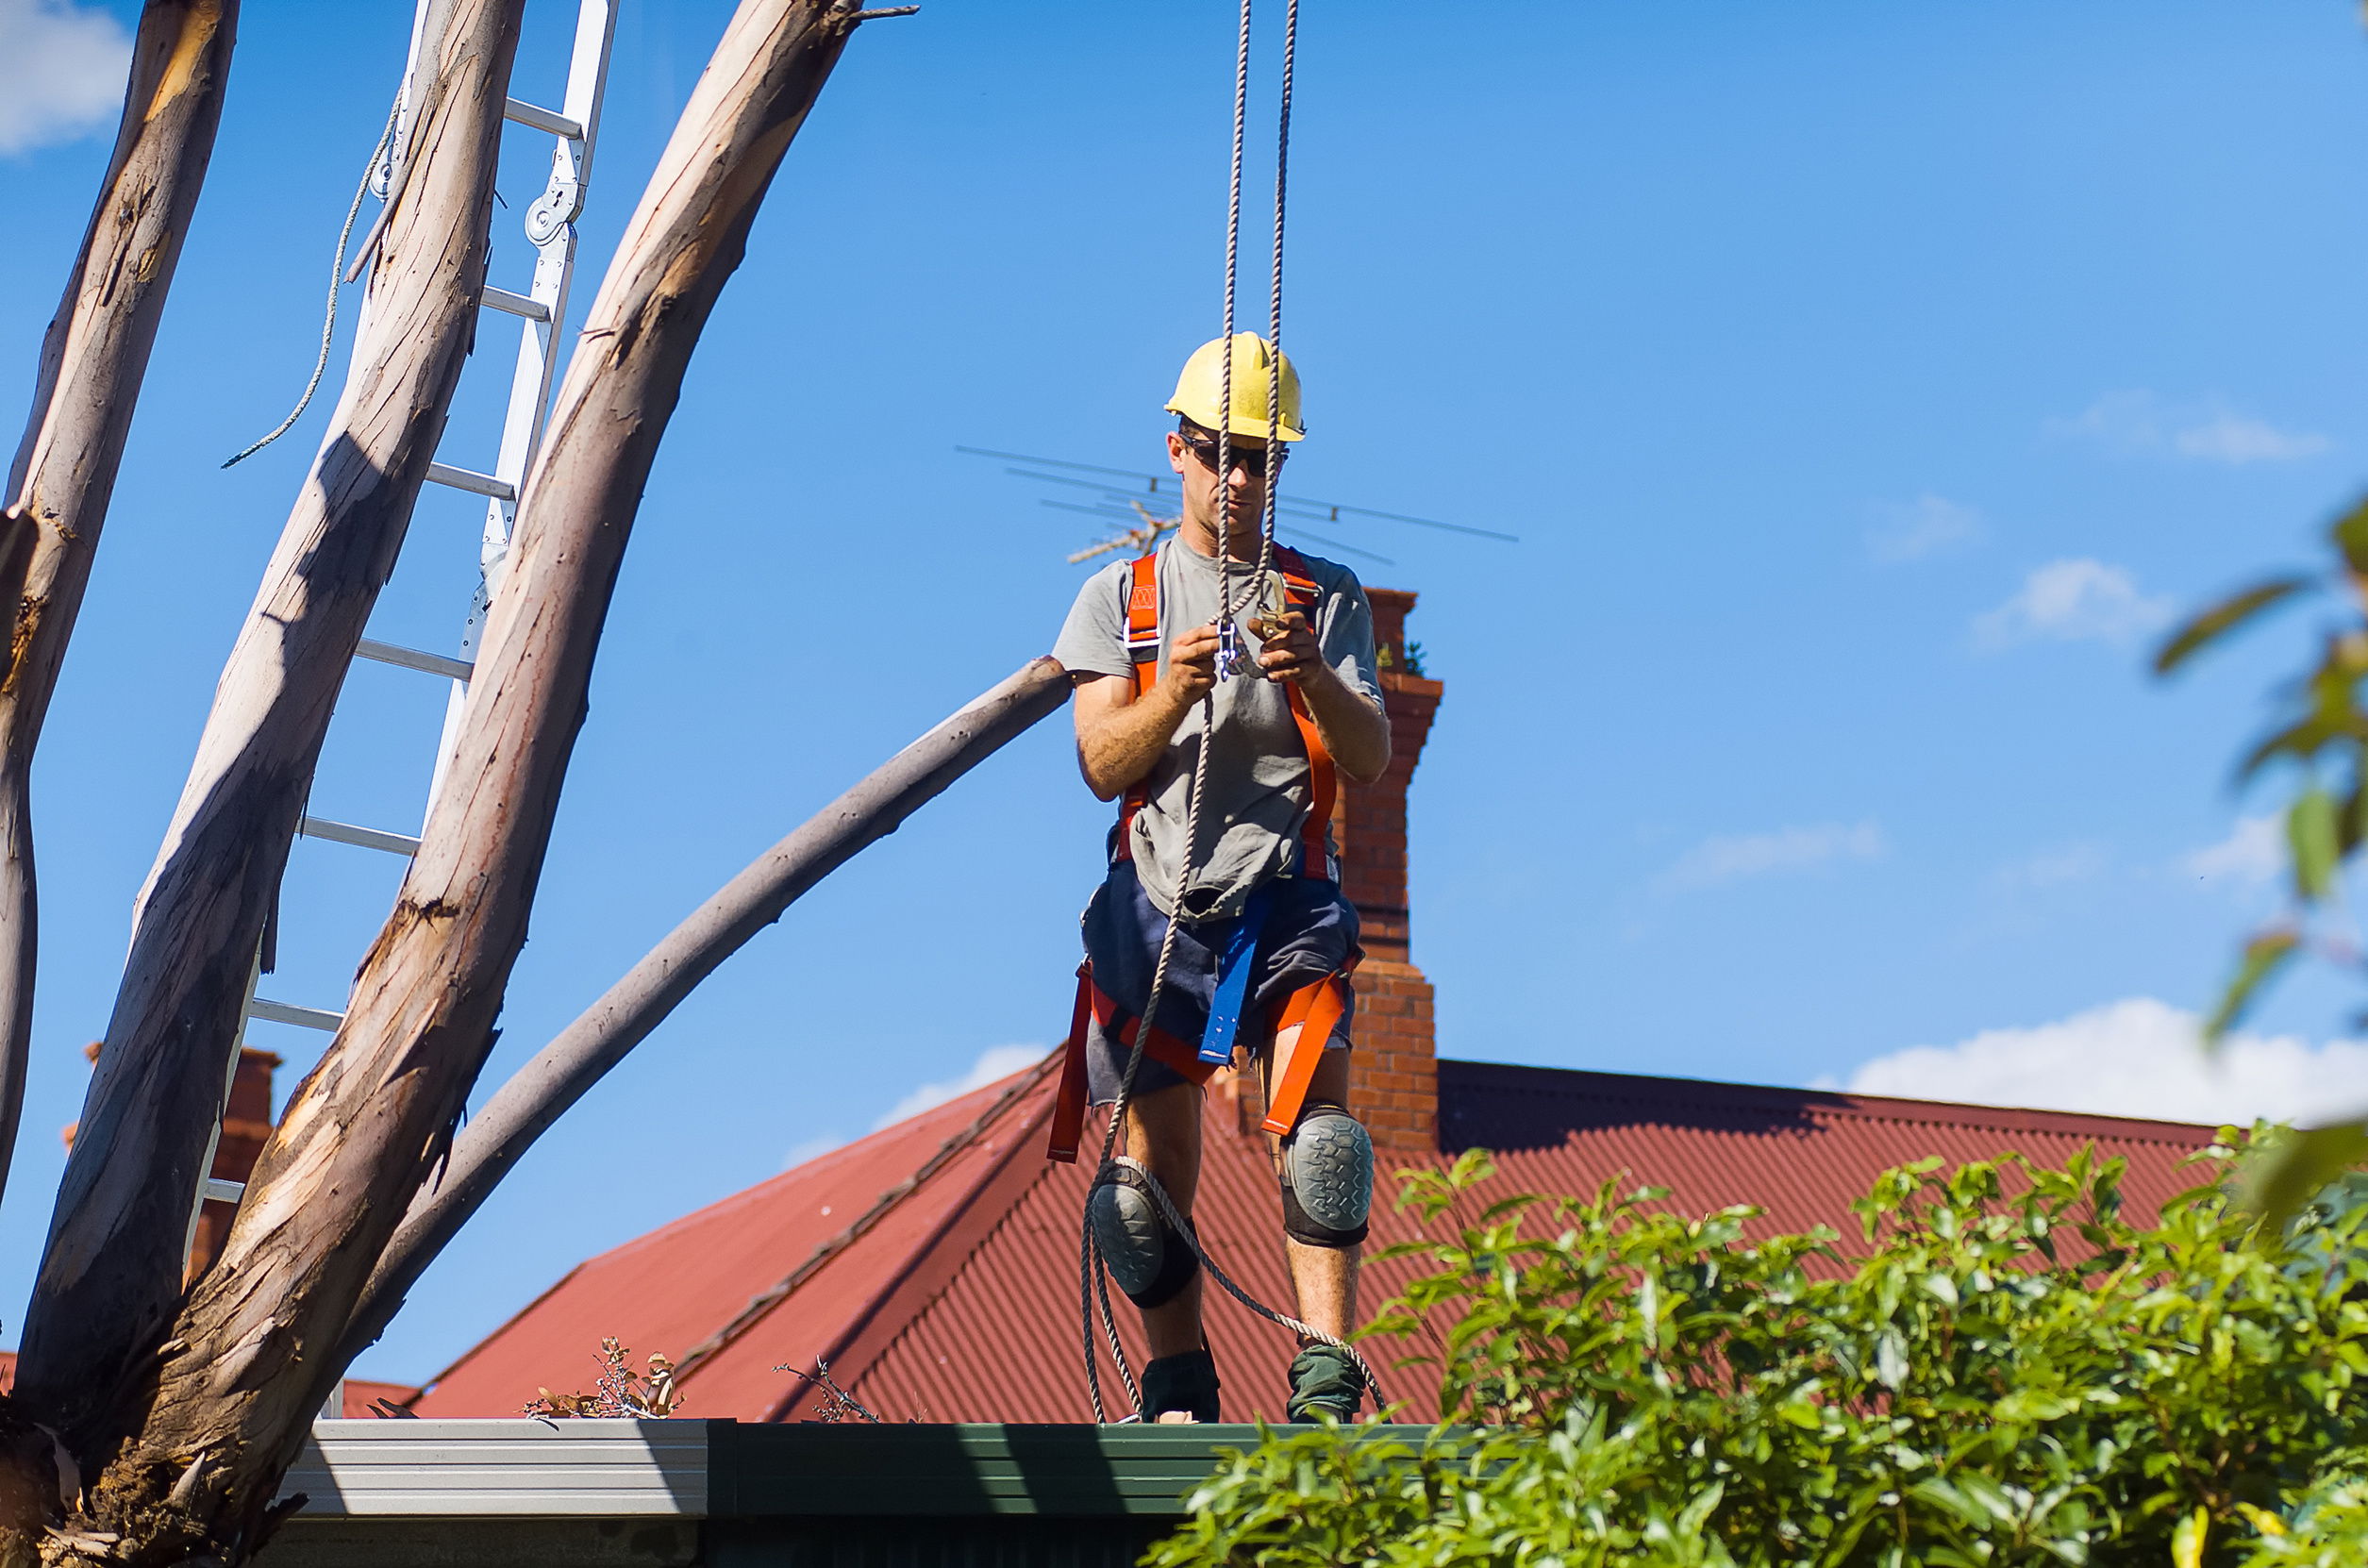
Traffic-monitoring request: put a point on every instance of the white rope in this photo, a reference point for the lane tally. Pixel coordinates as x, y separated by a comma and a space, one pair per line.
1093, 1290
336, 280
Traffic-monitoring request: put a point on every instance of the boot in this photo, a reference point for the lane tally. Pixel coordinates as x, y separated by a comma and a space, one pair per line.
1186, 1384
1324, 1380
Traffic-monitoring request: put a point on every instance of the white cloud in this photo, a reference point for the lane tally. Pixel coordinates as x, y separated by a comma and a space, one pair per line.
2254, 852
1924, 526
995, 1062
2134, 1058
2054, 868
62, 68
1731, 859
2232, 438
2131, 423
2068, 601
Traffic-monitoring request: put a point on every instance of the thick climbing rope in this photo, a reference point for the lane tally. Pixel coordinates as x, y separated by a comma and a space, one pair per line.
336, 280
1094, 1288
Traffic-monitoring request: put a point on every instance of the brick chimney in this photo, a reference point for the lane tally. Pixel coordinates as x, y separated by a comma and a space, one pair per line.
246, 1122
1393, 1075
1394, 1082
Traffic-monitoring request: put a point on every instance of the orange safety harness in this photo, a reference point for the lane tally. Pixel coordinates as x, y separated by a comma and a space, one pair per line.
1305, 1021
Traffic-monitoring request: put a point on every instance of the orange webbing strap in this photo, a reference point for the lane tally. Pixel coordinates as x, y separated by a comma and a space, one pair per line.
1069, 1109
1069, 1105
1309, 1015
1322, 779
1143, 620
1142, 651
1323, 784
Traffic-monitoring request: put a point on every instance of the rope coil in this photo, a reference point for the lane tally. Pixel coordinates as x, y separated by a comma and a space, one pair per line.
1093, 1287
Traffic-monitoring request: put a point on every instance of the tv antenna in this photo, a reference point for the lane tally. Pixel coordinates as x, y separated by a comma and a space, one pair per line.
1152, 504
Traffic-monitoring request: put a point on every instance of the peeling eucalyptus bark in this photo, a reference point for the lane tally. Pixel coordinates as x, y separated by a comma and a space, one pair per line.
110, 1277
211, 1423
94, 360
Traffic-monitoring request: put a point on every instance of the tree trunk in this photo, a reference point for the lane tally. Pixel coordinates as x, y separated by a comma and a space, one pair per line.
582, 1054
253, 1350
91, 365
111, 1279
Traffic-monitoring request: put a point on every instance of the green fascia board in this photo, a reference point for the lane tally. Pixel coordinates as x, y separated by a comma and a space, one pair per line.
837, 1470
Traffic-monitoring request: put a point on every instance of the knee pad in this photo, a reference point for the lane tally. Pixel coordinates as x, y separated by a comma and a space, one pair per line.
1327, 1178
1150, 1262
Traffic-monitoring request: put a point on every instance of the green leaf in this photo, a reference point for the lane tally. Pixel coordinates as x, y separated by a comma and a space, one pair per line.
2310, 833
2209, 625
2293, 1170
2267, 952
2351, 822
2350, 535
1891, 1359
2187, 1542
1942, 1495
2302, 741
2262, 1520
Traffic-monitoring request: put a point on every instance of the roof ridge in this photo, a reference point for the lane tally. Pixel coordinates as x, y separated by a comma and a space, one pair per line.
756, 1194
1651, 1088
766, 1300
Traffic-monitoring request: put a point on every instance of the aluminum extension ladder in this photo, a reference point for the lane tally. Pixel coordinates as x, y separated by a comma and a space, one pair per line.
550, 225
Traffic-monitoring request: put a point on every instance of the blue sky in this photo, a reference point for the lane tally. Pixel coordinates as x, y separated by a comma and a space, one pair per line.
1867, 383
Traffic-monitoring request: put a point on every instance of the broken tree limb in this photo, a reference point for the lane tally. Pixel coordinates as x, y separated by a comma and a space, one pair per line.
254, 1349
92, 363
110, 1279
581, 1055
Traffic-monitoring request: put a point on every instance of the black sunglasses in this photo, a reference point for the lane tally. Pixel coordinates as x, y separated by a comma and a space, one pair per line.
1249, 459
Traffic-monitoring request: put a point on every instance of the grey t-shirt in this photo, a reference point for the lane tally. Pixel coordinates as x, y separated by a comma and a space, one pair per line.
1257, 773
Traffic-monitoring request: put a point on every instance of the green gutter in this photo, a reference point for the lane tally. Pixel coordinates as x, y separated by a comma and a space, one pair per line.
719, 1494
971, 1469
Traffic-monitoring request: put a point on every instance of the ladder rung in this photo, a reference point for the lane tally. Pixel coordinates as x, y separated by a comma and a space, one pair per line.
219, 1191
287, 1012
517, 305
413, 659
481, 484
366, 838
541, 119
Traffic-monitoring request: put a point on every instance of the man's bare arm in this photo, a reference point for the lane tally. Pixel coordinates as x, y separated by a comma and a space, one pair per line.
1355, 729
1120, 738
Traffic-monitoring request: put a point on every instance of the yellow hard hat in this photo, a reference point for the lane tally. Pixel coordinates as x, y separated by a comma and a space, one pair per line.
1200, 391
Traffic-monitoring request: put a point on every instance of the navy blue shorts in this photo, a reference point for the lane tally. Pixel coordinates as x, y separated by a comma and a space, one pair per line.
1309, 931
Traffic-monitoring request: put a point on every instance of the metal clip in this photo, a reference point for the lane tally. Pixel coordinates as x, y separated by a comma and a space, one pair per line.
1231, 655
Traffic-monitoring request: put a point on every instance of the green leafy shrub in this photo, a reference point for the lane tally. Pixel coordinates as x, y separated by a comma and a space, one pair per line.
2004, 1372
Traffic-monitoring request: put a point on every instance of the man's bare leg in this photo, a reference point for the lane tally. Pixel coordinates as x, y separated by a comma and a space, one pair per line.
1162, 1131
1324, 1277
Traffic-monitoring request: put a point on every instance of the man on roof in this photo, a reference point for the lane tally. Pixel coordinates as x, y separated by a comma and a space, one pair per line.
1265, 942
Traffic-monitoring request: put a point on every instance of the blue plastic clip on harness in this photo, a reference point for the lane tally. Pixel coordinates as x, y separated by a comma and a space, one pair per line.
1233, 981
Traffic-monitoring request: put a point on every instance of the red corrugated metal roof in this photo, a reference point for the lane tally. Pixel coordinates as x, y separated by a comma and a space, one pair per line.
358, 1393
960, 1303
831, 1224
1801, 1154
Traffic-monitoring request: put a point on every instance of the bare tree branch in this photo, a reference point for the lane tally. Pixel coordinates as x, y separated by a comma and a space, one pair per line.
582, 1054
111, 1279
253, 1351
92, 363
